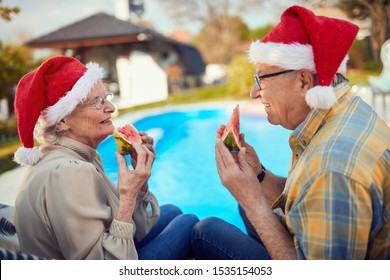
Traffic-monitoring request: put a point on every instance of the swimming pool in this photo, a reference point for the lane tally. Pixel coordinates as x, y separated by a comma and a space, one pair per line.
184, 171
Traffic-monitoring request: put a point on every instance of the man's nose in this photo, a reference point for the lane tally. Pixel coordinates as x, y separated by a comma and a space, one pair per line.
255, 92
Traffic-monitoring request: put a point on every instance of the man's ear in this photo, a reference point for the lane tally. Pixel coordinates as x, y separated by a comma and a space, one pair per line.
306, 80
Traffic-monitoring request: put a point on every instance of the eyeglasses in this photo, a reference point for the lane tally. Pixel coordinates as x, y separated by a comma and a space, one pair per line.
99, 101
258, 77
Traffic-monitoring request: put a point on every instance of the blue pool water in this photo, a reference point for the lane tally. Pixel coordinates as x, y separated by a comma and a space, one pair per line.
184, 171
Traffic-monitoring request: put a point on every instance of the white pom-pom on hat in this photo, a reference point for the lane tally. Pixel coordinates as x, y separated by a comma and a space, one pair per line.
27, 156
320, 97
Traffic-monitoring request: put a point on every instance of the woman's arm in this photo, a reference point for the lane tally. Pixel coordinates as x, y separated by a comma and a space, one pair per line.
79, 218
130, 182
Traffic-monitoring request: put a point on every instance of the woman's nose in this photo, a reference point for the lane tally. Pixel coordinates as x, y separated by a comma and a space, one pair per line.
109, 107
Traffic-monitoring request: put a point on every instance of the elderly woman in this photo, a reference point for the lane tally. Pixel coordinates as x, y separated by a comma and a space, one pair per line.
67, 207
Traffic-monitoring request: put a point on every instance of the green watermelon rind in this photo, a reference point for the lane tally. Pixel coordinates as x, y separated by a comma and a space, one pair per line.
123, 146
231, 141
232, 131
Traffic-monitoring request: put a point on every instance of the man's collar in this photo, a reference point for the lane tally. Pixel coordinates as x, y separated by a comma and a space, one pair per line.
316, 118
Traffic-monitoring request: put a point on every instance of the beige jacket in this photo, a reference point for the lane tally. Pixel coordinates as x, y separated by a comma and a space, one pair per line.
66, 206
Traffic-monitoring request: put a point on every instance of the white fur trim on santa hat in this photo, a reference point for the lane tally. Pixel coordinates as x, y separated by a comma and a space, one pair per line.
287, 56
27, 156
320, 97
77, 94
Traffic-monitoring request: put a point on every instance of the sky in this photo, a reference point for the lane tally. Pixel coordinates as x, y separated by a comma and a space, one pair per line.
39, 17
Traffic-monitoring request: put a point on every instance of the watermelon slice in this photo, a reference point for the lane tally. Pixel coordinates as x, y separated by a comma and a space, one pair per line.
231, 133
125, 137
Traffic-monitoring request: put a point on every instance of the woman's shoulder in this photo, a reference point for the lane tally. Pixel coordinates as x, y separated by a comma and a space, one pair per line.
61, 166
63, 176
58, 157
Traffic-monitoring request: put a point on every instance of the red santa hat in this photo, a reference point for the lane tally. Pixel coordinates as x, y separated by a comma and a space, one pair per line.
303, 40
51, 91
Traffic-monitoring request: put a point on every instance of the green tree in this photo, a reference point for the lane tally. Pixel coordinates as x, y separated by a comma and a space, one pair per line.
15, 61
219, 37
221, 21
259, 33
378, 12
204, 11
6, 12
240, 76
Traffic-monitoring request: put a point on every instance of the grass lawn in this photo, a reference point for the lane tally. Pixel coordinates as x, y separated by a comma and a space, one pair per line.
7, 150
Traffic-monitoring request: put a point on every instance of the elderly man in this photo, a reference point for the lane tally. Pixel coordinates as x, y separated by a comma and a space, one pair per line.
335, 200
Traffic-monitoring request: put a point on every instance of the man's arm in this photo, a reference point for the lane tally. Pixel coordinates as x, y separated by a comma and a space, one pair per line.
273, 186
238, 176
275, 237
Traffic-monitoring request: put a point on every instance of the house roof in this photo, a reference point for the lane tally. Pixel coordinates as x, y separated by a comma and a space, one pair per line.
92, 30
103, 29
192, 58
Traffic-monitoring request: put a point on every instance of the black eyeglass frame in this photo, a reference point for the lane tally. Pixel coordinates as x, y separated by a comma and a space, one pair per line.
258, 77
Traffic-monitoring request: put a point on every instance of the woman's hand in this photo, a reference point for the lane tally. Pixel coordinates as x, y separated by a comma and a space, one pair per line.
130, 182
148, 142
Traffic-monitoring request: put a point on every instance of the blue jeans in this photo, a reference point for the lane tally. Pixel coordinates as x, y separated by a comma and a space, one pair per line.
215, 239
169, 239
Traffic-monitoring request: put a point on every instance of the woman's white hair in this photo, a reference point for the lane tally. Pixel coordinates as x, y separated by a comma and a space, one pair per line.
47, 134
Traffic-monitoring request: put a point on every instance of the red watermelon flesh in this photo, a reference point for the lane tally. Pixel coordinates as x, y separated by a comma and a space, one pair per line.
125, 137
231, 133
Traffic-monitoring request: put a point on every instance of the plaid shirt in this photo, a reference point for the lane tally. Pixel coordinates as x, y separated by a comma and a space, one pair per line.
337, 195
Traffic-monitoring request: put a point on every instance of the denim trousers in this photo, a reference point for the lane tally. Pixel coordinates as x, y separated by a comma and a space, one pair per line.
169, 239
215, 239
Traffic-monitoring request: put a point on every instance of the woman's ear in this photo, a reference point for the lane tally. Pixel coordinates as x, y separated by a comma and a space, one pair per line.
62, 125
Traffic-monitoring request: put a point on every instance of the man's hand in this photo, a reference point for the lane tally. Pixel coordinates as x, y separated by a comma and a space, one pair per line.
251, 154
236, 173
